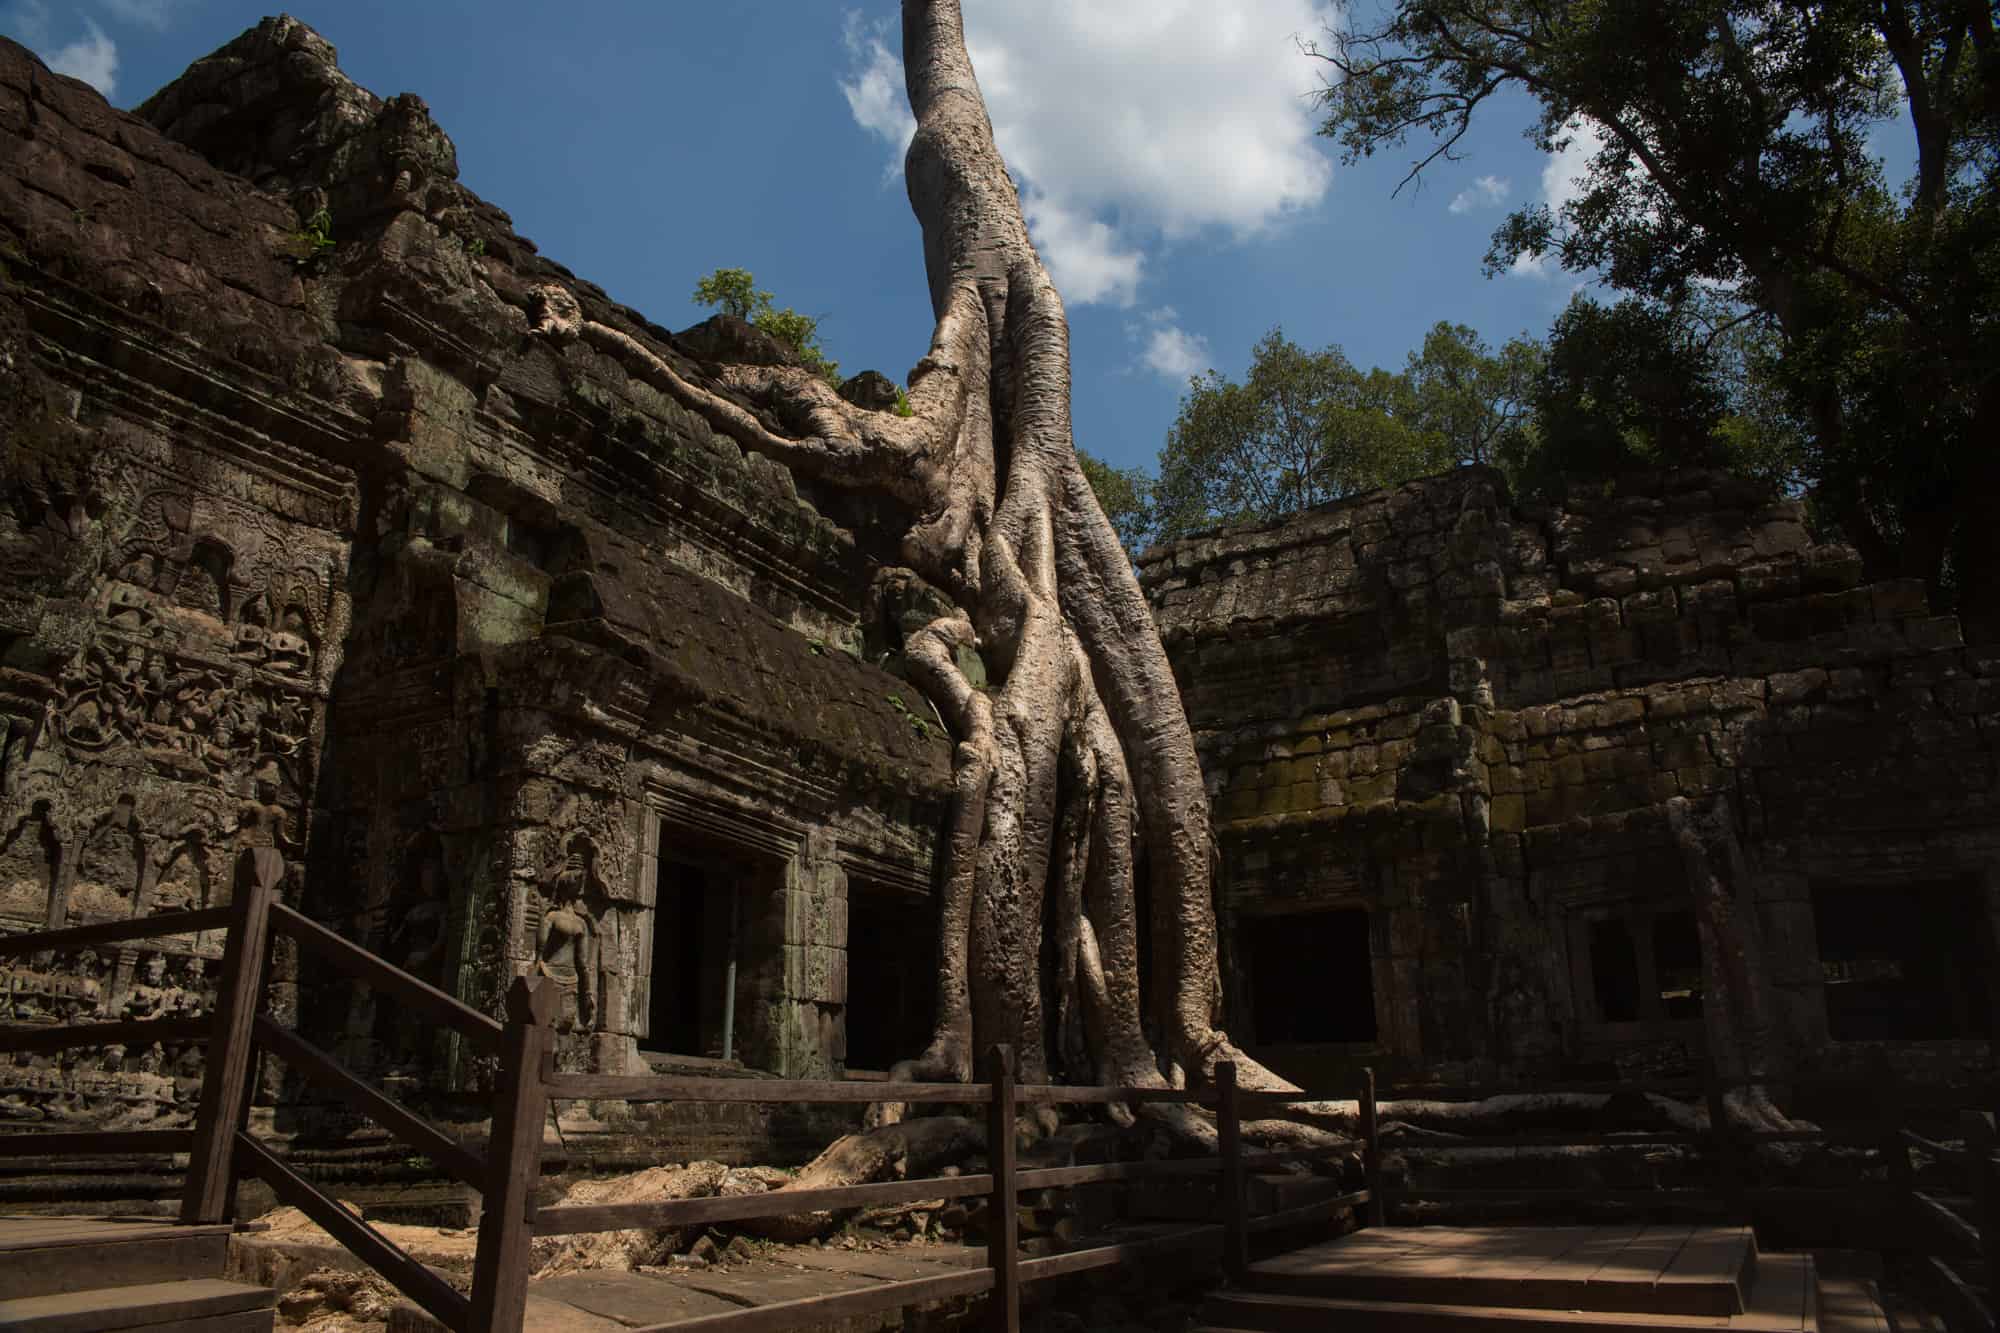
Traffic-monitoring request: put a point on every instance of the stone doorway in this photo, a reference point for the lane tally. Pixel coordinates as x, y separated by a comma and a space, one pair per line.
1311, 978
891, 978
698, 941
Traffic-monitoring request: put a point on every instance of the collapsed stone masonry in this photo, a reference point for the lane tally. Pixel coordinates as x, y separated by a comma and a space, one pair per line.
312, 545
1443, 733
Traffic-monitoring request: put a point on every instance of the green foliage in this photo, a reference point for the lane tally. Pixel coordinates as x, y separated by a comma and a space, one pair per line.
1734, 160
317, 234
1126, 497
1307, 427
918, 724
309, 246
734, 291
903, 408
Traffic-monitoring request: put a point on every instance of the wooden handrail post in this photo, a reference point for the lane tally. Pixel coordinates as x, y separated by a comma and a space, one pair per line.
1728, 1159
1229, 1143
225, 1083
1003, 1254
1371, 1150
513, 1161
1977, 1129
1895, 1152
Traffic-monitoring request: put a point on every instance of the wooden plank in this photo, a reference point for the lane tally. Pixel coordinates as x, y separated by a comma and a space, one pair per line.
1551, 1141
106, 1141
1235, 1199
1003, 1253
75, 1264
148, 1304
1368, 1112
1124, 1252
1779, 1297
1609, 1193
380, 1253
1315, 1211
513, 1161
788, 1316
412, 1129
210, 1192
1627, 1281
1966, 1310
1568, 1276
109, 932
385, 976
572, 1218
97, 1231
130, 1032
676, 1088
1956, 1235
648, 1088
1713, 1268
1482, 1092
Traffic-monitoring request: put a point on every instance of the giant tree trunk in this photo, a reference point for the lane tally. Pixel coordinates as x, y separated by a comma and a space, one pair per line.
1736, 1005
1080, 750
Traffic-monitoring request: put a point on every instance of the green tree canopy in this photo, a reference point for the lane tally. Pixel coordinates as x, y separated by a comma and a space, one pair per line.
734, 292
1306, 427
1125, 495
1732, 158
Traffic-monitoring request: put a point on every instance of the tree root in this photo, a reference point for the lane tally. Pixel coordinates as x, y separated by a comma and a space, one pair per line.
908, 1149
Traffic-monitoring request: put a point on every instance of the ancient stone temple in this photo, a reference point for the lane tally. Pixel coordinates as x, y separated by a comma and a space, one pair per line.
308, 542
1474, 764
305, 542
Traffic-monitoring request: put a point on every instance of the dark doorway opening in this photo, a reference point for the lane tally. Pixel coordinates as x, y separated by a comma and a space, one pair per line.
691, 941
1310, 977
1677, 964
891, 979
1904, 963
1614, 970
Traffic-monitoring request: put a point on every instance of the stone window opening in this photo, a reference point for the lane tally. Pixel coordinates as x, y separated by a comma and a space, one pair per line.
1908, 962
697, 953
891, 978
1310, 977
1639, 965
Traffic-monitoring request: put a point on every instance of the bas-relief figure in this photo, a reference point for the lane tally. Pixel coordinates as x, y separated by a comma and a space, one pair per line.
566, 944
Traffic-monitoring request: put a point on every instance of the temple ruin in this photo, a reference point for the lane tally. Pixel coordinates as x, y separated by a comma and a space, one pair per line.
307, 544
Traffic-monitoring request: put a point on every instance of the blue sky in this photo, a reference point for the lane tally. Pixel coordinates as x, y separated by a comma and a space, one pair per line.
1173, 178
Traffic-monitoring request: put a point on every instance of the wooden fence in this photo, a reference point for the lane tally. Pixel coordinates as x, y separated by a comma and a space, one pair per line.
239, 1037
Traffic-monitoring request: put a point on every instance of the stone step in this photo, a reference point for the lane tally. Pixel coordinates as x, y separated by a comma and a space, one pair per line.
195, 1305
46, 1257
1650, 1270
1783, 1300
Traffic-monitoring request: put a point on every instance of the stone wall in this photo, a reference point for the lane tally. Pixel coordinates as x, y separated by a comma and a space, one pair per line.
315, 546
1465, 719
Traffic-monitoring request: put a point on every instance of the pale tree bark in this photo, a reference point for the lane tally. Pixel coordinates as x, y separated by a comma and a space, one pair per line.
1080, 752
1736, 1004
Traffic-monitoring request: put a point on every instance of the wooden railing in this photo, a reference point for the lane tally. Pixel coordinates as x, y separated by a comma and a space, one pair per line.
1001, 1098
1942, 1240
238, 1036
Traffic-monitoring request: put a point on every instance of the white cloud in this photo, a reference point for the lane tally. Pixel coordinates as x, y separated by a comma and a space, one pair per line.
1486, 192
1563, 176
1133, 122
1166, 348
874, 89
1085, 257
92, 58
154, 14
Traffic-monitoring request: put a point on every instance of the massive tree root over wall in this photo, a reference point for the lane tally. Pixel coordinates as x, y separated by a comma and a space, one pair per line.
1080, 755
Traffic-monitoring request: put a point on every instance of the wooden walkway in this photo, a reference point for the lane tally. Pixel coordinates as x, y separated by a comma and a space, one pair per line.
1619, 1277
